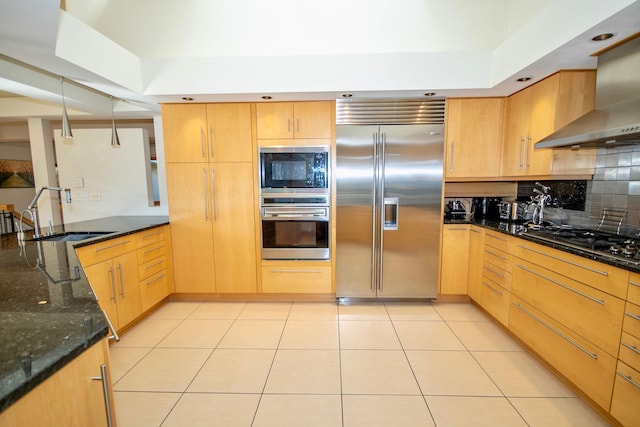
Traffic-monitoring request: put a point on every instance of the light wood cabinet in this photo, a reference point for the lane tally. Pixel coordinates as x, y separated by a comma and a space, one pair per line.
625, 403
73, 396
184, 126
155, 269
538, 111
230, 128
454, 259
476, 248
112, 270
474, 128
497, 263
296, 277
288, 120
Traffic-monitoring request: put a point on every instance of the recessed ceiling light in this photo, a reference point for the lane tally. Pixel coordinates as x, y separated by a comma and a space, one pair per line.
524, 79
266, 97
347, 95
187, 98
430, 94
602, 37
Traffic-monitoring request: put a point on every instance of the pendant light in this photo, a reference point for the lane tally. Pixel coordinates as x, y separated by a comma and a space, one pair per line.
66, 127
115, 141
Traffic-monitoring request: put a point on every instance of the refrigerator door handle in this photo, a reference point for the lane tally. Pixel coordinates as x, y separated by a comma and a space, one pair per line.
374, 221
381, 218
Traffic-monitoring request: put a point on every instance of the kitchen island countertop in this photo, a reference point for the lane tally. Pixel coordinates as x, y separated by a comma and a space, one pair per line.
48, 311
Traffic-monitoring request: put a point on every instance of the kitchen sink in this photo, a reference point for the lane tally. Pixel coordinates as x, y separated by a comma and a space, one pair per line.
72, 236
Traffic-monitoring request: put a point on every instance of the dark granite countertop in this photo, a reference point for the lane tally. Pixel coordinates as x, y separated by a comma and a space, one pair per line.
517, 230
48, 311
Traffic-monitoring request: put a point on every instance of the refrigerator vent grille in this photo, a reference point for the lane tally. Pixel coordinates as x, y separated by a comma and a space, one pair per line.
390, 112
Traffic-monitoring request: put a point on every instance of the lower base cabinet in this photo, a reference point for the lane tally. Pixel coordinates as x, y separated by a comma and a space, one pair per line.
454, 259
626, 395
73, 396
296, 277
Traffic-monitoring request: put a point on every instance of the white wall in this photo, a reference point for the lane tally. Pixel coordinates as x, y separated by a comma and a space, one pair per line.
112, 181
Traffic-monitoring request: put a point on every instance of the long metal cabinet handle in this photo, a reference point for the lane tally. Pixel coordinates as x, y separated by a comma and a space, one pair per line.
114, 334
629, 379
630, 347
288, 125
383, 154
490, 270
297, 125
202, 143
105, 391
631, 282
526, 153
211, 152
213, 194
113, 284
502, 239
451, 158
604, 273
374, 209
520, 152
502, 257
121, 280
492, 288
146, 236
555, 331
104, 248
204, 192
151, 282
562, 285
633, 316
473, 230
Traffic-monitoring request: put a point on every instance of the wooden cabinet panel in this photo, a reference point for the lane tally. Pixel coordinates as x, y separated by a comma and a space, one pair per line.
102, 280
583, 363
150, 252
274, 120
496, 274
154, 235
230, 132
184, 128
108, 249
630, 350
476, 249
127, 285
189, 189
593, 314
634, 288
474, 128
296, 277
286, 120
496, 300
499, 241
234, 228
499, 258
454, 259
625, 404
632, 319
312, 119
154, 288
70, 397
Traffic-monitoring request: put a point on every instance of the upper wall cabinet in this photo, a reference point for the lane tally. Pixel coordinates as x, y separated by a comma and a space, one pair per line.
207, 132
474, 129
299, 120
538, 111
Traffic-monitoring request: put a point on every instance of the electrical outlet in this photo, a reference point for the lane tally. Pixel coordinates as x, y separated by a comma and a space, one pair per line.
96, 196
79, 195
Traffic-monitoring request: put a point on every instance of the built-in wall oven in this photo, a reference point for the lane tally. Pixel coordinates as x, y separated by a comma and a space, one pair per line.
295, 202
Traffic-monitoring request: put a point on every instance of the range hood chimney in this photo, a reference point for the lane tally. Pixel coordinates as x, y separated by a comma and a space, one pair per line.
615, 120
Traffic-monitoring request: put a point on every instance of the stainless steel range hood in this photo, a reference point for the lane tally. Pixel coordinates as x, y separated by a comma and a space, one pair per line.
616, 117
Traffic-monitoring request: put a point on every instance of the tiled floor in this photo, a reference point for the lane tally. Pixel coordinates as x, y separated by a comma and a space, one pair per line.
322, 364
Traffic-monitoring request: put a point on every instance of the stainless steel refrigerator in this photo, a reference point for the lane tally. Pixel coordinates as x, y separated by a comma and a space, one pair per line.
389, 195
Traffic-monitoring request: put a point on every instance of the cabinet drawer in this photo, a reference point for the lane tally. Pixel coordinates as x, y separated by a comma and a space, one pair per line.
496, 274
293, 279
153, 266
591, 313
102, 251
630, 350
499, 241
625, 404
607, 278
150, 252
632, 319
634, 288
150, 236
153, 289
498, 257
590, 368
496, 300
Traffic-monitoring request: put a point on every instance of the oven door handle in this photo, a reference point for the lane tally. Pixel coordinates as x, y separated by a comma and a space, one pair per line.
273, 217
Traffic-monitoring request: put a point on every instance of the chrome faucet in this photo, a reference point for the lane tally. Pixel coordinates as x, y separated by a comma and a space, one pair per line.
33, 206
541, 201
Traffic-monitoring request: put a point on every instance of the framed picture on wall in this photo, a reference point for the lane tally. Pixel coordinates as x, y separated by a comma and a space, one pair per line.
16, 174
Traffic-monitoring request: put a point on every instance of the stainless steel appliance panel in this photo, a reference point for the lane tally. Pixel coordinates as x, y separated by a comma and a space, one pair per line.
389, 192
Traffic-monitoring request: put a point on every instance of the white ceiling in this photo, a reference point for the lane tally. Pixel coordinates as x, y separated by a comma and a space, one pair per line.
152, 51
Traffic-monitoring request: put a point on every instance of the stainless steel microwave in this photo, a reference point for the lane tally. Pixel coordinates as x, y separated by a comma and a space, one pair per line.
294, 169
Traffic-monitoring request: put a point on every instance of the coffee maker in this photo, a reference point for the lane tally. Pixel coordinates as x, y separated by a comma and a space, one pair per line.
455, 210
486, 207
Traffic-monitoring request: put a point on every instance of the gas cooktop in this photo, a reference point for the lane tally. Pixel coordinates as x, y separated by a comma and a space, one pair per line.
616, 246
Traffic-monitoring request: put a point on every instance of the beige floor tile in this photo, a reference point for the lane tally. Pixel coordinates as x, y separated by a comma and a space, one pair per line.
234, 371
314, 311
518, 374
305, 372
213, 410
136, 409
218, 310
457, 411
412, 311
453, 311
377, 372
175, 310
124, 358
385, 411
253, 334
290, 410
310, 334
484, 336
363, 311
265, 310
557, 412
450, 373
197, 333
368, 334
147, 333
426, 335
164, 369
